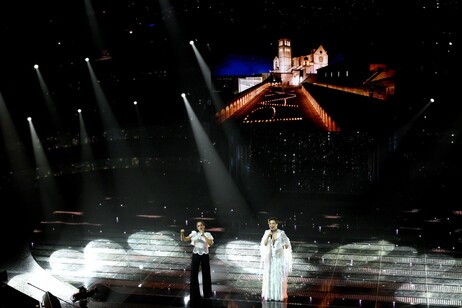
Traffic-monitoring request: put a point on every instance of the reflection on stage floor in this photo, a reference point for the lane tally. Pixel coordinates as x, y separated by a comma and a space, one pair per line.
343, 257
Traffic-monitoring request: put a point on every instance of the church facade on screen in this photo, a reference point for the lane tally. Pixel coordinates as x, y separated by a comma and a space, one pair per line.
294, 70
287, 69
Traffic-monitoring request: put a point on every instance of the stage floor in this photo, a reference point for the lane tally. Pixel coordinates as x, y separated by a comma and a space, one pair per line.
343, 257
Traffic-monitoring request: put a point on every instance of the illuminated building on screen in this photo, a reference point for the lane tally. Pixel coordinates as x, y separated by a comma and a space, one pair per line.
294, 70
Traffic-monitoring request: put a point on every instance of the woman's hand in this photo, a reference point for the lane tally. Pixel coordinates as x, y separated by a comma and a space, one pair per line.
182, 235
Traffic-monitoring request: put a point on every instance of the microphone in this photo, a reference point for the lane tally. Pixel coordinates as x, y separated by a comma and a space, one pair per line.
271, 234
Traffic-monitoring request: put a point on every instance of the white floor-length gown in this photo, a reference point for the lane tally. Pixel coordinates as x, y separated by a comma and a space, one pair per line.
276, 265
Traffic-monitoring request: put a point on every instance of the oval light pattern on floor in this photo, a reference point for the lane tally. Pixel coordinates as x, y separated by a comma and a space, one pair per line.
442, 280
241, 254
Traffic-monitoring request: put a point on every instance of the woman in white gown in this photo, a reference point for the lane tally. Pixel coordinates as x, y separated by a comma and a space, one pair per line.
276, 258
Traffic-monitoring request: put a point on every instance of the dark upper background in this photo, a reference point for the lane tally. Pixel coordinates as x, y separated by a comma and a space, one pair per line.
58, 35
152, 62
380, 28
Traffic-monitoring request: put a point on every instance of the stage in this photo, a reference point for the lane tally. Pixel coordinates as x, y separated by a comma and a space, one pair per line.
347, 256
